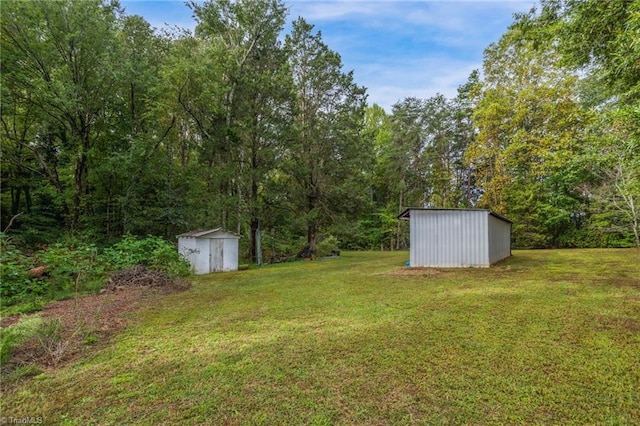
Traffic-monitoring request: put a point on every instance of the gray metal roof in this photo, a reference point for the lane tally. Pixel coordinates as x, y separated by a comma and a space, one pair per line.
406, 214
198, 234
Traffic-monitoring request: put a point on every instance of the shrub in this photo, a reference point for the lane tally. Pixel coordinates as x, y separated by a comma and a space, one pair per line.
77, 266
72, 266
16, 284
153, 252
51, 340
328, 246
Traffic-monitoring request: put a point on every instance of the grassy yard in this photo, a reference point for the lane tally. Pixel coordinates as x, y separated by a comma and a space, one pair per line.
546, 337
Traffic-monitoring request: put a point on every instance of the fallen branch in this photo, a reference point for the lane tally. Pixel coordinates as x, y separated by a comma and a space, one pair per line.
11, 222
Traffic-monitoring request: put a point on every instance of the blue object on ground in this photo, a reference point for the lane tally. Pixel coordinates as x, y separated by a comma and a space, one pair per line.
407, 263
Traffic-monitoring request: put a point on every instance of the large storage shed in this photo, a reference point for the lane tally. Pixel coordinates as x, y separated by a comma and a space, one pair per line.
214, 250
457, 237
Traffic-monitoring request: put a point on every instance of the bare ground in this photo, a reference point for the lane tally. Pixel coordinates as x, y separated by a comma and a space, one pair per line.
415, 271
77, 327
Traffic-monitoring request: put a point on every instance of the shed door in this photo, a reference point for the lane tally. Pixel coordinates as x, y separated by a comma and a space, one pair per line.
216, 255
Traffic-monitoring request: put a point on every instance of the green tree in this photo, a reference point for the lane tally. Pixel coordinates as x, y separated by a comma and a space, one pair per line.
323, 158
599, 36
57, 59
600, 39
254, 85
195, 70
29, 173
530, 128
265, 96
382, 225
244, 36
129, 195
613, 188
430, 138
464, 133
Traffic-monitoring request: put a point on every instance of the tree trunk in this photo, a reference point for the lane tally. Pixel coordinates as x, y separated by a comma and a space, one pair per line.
258, 247
27, 197
312, 220
398, 230
255, 228
312, 240
80, 189
15, 200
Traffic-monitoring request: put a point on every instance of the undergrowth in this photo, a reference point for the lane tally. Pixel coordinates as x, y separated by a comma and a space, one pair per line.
73, 267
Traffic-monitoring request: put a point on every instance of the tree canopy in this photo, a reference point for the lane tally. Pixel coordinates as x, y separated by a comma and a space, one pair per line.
111, 127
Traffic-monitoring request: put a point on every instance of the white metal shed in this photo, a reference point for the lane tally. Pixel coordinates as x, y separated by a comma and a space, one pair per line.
214, 250
453, 238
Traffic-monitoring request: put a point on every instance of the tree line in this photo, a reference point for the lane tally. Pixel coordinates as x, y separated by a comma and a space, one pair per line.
111, 127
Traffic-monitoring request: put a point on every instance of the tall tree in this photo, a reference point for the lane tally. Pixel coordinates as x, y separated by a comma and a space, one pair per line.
612, 163
599, 39
464, 133
378, 130
325, 150
61, 56
265, 98
129, 196
430, 137
599, 36
530, 126
245, 35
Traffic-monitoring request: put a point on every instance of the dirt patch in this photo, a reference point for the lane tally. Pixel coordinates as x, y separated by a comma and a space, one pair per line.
624, 281
76, 327
140, 276
626, 324
420, 272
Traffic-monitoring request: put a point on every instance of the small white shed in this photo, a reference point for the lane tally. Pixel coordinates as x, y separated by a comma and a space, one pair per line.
214, 250
451, 238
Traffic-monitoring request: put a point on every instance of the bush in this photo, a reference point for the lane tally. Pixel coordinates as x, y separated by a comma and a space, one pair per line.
16, 284
72, 266
76, 266
51, 341
153, 252
328, 247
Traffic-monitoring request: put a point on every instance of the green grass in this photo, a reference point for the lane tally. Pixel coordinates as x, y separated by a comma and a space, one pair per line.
546, 337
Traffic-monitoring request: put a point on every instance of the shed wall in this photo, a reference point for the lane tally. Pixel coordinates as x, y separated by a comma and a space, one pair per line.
446, 238
187, 248
230, 260
201, 264
499, 239
196, 252
225, 257
210, 251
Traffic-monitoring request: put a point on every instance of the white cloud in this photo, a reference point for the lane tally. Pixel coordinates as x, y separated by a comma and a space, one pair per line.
419, 48
421, 78
397, 49
314, 11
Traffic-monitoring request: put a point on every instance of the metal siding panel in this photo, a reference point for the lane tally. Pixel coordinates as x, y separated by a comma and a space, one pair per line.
474, 239
413, 241
499, 239
201, 265
217, 254
442, 238
230, 261
188, 249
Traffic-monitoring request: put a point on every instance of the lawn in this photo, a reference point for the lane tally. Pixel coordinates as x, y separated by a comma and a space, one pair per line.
546, 337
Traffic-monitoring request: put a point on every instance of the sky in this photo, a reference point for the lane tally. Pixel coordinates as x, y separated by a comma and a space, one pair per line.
396, 49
